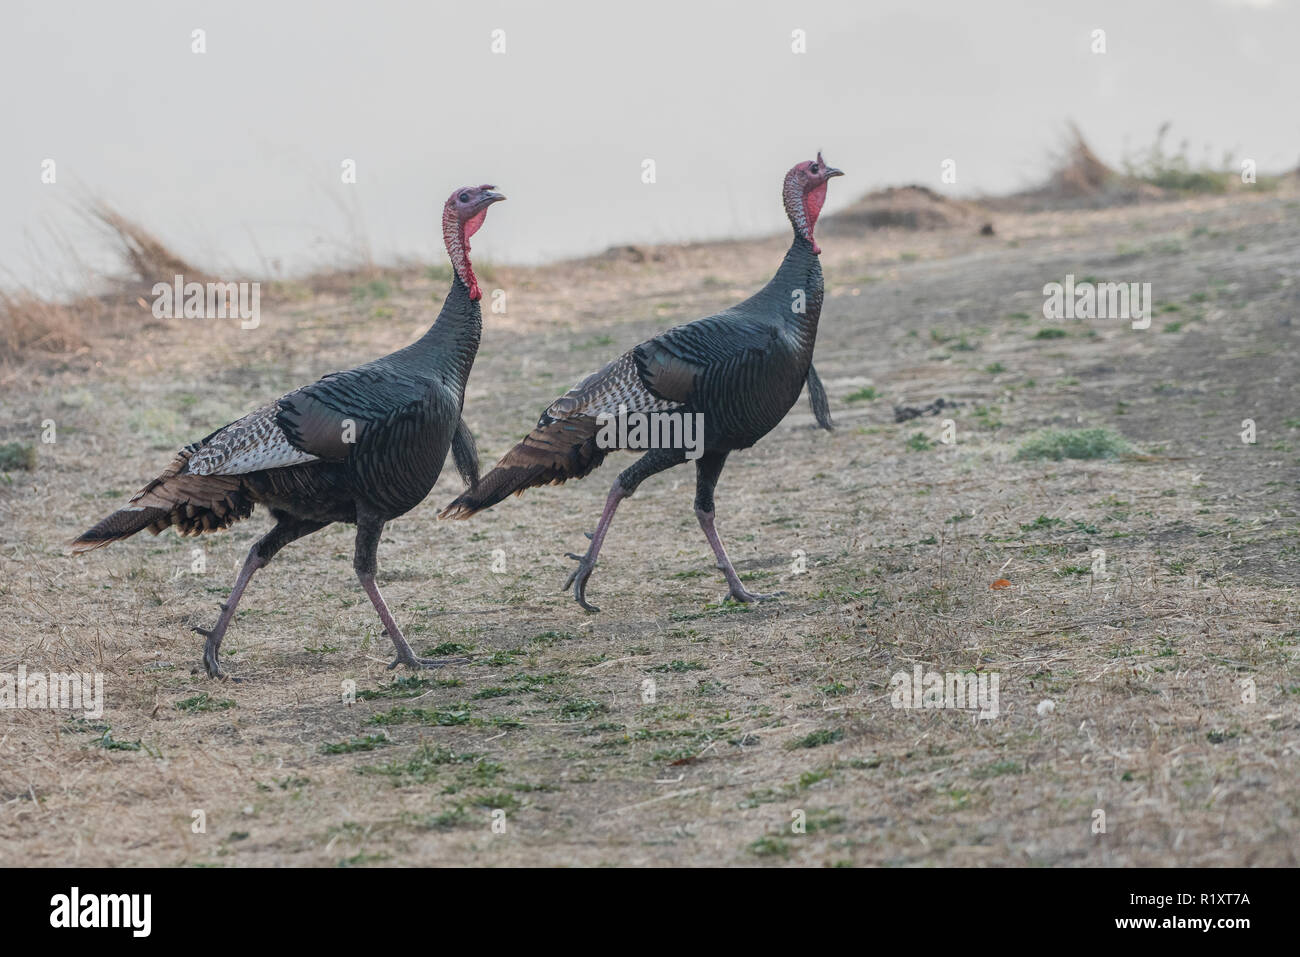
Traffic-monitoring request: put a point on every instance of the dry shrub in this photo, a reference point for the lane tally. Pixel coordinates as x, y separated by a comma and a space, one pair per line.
1079, 171
148, 259
32, 325
1079, 179
29, 323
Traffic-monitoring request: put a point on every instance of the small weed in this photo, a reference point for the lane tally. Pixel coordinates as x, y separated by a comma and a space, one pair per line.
770, 847
440, 717
351, 746
1058, 444
816, 739
203, 702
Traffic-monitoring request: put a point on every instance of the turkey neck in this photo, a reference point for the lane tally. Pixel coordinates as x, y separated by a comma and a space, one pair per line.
800, 270
446, 352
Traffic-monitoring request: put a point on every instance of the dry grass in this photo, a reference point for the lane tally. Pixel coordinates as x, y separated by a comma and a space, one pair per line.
1080, 179
37, 329
30, 324
1078, 170
149, 260
761, 712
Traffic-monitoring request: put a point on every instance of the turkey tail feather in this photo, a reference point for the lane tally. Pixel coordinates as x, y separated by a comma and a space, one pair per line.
821, 406
193, 503
123, 523
465, 452
551, 454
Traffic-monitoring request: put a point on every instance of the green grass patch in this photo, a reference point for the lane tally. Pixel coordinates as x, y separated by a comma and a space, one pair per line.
581, 709
865, 394
439, 717
353, 745
203, 702
997, 769
422, 767
770, 847
374, 289
409, 686
16, 456
448, 819
447, 649
1058, 444
816, 739
1042, 521
108, 743
678, 666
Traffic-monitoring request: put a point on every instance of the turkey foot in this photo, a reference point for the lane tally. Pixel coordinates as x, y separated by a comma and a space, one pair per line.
405, 656
213, 644
578, 579
740, 593
210, 647
412, 661
252, 563
587, 562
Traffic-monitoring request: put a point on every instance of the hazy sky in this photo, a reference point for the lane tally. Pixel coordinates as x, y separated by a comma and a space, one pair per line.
233, 156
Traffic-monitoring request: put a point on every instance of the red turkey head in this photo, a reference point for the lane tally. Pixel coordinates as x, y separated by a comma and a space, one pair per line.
804, 194
462, 215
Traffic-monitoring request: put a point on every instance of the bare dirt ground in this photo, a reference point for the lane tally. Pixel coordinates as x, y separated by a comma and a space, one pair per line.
759, 713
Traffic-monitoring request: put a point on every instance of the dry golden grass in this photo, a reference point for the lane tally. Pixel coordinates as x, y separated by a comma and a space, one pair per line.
149, 260
37, 328
31, 324
759, 712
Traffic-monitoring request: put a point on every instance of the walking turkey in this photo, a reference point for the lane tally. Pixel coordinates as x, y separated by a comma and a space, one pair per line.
742, 369
362, 446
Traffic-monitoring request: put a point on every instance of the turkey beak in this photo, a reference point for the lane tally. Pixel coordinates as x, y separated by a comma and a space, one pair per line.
832, 171
490, 197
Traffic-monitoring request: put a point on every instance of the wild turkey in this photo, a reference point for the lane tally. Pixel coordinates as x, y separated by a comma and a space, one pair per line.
742, 369
362, 446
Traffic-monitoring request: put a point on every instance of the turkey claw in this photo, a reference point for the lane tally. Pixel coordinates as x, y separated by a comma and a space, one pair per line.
578, 579
745, 596
414, 662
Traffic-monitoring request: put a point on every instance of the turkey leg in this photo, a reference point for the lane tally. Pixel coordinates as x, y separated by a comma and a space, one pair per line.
707, 469
587, 562
285, 531
365, 561
652, 463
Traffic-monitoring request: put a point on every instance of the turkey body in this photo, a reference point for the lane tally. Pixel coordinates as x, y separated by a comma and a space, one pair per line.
371, 440
737, 373
742, 369
362, 446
